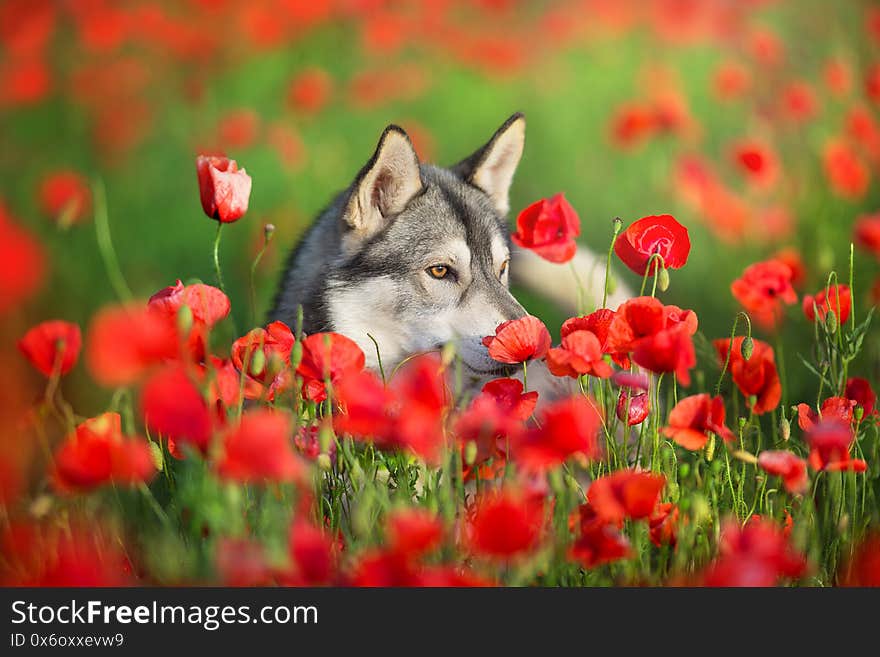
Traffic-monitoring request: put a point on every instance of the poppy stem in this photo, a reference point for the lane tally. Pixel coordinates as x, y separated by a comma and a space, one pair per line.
730, 348
217, 256
617, 223
105, 243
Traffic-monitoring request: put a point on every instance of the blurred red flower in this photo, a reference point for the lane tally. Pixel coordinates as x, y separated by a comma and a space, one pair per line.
787, 465
519, 340
275, 342
413, 531
52, 347
238, 129
846, 172
549, 228
731, 80
663, 524
241, 562
625, 494
763, 290
829, 442
327, 357
22, 263
509, 396
65, 197
638, 403
838, 76
24, 81
223, 187
765, 46
312, 555
872, 82
259, 448
632, 124
756, 376
567, 427
580, 353
799, 101
757, 554
692, 418
208, 306
174, 407
859, 390
837, 408
837, 298
310, 90
791, 256
661, 235
597, 541
97, 453
867, 233
506, 524
125, 342
757, 162
863, 568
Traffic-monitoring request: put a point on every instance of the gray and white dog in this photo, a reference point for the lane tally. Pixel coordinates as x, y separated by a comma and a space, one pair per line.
417, 255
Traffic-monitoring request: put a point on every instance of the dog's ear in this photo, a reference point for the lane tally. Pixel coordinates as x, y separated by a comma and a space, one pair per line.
385, 185
491, 168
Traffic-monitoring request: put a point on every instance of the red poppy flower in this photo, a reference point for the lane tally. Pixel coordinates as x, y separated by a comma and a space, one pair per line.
872, 82
259, 449
566, 427
846, 172
52, 347
867, 233
756, 162
762, 290
65, 197
367, 407
757, 554
240, 562
632, 124
863, 129
660, 234
23, 261
224, 188
598, 323
125, 342
97, 453
838, 76
238, 129
208, 305
636, 319
598, 540
792, 257
327, 356
799, 101
863, 568
174, 407
275, 342
506, 524
413, 531
312, 555
754, 377
519, 340
692, 418
510, 399
839, 300
731, 80
580, 353
310, 91
829, 441
790, 467
859, 390
766, 46
670, 350
625, 494
549, 228
638, 404
663, 524
838, 408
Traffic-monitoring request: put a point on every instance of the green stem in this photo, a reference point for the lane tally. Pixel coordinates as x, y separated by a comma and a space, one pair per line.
617, 226
105, 243
217, 256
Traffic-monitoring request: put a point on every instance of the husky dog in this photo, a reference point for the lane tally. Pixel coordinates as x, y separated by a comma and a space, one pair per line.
414, 256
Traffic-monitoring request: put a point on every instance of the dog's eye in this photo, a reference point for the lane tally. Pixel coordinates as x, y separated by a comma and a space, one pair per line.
438, 271
503, 268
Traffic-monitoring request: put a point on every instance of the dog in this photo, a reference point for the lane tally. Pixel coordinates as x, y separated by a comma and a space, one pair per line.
412, 256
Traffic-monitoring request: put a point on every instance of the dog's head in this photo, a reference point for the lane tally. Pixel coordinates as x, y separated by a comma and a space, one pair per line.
426, 250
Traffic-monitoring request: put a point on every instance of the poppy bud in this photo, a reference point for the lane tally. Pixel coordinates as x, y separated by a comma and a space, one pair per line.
663, 279
747, 347
296, 354
617, 224
742, 420
258, 362
784, 428
745, 457
753, 399
41, 506
156, 454
447, 354
571, 482
684, 470
275, 364
858, 413
268, 231
710, 448
470, 452
831, 322
325, 436
184, 319
324, 462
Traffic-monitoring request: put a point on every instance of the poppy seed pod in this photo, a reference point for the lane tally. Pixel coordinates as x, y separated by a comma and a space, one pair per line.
784, 429
747, 347
831, 322
663, 280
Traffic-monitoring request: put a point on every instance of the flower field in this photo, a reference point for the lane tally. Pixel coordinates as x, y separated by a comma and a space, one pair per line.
721, 426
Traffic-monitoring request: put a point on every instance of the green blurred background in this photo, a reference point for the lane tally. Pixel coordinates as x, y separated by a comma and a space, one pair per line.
133, 105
